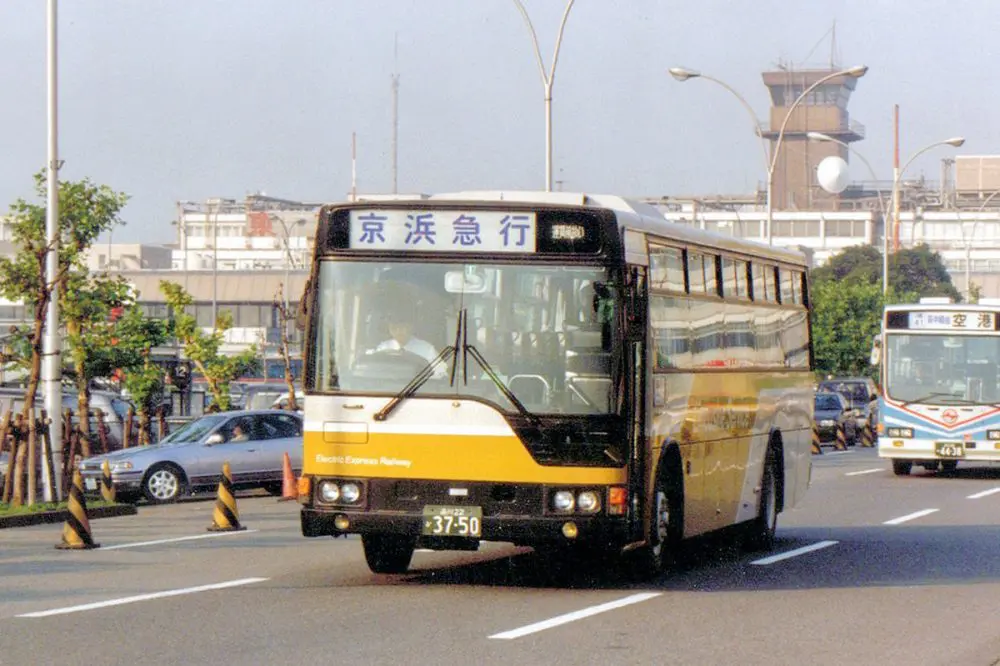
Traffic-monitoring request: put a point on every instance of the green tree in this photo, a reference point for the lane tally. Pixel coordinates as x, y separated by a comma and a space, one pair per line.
135, 336
846, 317
85, 211
916, 271
204, 348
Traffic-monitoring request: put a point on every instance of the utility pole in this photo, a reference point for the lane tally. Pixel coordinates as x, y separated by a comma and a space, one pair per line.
395, 117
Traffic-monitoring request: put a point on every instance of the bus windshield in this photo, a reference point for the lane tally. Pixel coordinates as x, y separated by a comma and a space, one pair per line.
542, 334
943, 369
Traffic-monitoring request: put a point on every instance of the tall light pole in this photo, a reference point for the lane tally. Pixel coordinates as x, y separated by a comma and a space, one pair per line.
288, 249
51, 344
894, 197
820, 137
548, 79
968, 245
855, 72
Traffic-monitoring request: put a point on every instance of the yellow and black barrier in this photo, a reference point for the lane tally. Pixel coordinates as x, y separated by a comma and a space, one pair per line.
76, 530
816, 448
107, 486
841, 443
867, 436
226, 517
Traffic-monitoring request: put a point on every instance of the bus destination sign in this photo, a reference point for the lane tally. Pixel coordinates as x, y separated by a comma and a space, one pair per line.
443, 230
963, 321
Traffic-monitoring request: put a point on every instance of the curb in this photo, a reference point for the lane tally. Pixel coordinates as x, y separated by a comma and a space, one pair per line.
43, 517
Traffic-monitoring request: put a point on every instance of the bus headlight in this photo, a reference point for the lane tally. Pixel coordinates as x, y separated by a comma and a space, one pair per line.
906, 433
350, 492
563, 501
588, 501
329, 491
993, 435
826, 423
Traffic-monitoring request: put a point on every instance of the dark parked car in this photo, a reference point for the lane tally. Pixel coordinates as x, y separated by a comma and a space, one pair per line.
832, 414
191, 458
861, 394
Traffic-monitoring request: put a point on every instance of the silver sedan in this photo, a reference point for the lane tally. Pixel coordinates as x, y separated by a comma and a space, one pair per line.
191, 458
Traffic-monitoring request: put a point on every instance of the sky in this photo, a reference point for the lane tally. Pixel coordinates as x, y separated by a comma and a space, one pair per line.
170, 100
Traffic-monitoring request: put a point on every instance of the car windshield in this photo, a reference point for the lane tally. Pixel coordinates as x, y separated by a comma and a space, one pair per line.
194, 430
827, 403
538, 333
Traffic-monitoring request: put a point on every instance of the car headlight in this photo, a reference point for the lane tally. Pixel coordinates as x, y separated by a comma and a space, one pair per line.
906, 433
588, 501
350, 492
121, 466
563, 501
828, 422
329, 491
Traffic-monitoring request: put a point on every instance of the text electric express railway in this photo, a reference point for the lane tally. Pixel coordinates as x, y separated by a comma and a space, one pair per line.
549, 370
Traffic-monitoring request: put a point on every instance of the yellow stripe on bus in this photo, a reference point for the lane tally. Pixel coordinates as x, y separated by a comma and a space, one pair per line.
444, 457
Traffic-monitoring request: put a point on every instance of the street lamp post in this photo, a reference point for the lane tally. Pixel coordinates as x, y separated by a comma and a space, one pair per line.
288, 250
857, 72
968, 245
894, 197
820, 137
548, 79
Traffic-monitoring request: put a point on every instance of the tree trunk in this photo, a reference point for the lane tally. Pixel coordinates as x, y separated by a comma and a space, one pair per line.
83, 407
144, 426
7, 443
28, 412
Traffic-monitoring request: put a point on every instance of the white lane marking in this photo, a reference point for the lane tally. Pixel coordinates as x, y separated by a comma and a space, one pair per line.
835, 453
575, 615
794, 553
910, 516
144, 597
864, 471
985, 493
174, 540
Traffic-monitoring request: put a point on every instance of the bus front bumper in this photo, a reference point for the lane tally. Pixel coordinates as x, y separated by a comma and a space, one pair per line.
519, 530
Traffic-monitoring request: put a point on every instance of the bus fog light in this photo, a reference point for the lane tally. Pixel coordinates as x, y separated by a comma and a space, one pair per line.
350, 493
570, 530
563, 501
329, 491
341, 522
588, 501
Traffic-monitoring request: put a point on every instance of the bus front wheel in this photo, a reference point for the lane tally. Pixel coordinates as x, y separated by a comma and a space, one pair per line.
760, 535
666, 529
902, 467
388, 553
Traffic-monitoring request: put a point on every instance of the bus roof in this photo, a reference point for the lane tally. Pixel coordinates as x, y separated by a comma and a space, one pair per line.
632, 214
943, 307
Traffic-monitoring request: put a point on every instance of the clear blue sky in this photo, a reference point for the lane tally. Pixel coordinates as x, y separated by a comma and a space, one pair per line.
188, 99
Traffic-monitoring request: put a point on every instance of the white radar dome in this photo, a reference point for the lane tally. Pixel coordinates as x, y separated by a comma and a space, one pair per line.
832, 174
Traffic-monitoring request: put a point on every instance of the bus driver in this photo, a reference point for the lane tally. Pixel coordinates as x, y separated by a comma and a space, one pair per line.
401, 337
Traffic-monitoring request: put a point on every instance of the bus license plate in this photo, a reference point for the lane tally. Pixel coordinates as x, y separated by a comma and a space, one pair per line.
461, 521
950, 449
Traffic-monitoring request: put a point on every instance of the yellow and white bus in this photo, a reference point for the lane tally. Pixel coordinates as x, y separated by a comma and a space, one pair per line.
548, 369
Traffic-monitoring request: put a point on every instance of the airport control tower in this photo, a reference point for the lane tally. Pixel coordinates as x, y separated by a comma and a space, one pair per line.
823, 110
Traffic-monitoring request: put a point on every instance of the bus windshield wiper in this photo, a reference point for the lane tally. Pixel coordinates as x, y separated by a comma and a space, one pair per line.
421, 378
955, 399
471, 350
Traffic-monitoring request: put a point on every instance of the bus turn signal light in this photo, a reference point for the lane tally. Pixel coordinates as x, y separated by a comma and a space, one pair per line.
616, 500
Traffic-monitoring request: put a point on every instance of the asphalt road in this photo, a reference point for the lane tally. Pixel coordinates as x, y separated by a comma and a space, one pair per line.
871, 569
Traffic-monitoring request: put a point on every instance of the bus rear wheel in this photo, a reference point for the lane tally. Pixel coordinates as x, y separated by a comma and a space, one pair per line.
388, 553
760, 533
902, 467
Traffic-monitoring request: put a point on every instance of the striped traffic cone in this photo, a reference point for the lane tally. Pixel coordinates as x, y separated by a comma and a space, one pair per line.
841, 443
226, 517
816, 448
867, 436
107, 486
76, 531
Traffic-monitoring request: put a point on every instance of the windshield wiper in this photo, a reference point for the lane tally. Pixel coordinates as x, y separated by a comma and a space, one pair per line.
419, 380
414, 385
957, 399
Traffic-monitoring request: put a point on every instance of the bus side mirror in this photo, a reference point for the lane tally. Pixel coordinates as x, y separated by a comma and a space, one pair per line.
876, 356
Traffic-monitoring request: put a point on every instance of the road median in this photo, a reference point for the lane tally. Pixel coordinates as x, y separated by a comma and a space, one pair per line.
60, 515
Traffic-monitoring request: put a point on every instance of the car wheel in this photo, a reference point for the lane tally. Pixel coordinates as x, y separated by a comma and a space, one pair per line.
163, 483
274, 488
388, 553
760, 534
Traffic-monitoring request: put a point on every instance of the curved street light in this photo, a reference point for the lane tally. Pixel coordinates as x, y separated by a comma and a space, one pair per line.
548, 79
968, 244
826, 138
857, 72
